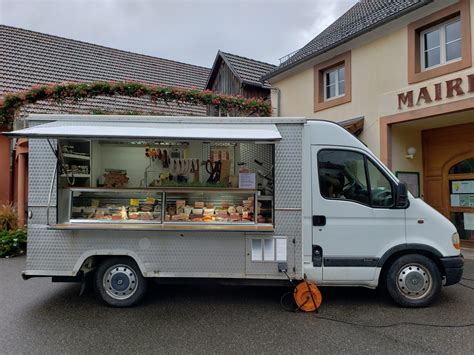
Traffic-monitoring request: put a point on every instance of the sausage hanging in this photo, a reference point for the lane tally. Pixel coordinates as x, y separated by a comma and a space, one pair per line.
214, 170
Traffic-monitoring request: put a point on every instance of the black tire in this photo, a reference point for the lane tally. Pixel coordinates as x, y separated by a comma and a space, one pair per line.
414, 281
119, 282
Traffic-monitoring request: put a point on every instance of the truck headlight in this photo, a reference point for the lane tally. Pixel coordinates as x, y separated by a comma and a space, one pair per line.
456, 240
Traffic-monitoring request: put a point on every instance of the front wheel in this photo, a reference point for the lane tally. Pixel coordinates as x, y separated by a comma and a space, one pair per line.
119, 282
414, 281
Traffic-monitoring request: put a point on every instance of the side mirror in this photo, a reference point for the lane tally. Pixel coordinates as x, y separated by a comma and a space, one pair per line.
402, 195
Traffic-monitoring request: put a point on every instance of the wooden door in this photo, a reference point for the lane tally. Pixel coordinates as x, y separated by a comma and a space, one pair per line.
458, 181
448, 155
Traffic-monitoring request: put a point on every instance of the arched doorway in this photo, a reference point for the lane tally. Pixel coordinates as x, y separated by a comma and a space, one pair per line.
458, 178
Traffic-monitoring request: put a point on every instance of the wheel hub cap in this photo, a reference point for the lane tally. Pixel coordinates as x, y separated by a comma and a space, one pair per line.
120, 282
414, 281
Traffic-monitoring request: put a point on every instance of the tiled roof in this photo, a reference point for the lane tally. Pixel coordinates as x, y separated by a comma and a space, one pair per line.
30, 58
248, 71
364, 16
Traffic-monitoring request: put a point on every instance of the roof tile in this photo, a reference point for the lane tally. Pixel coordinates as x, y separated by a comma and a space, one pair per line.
364, 16
30, 58
247, 70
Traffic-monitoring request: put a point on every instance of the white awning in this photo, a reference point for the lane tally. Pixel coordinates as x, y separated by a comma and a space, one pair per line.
143, 130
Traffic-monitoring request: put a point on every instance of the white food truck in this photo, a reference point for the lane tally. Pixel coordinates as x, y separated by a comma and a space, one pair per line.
128, 198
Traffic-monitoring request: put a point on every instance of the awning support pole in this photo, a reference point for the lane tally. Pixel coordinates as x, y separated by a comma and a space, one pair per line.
53, 179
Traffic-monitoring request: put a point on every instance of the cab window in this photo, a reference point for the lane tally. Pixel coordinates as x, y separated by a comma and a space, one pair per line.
380, 187
348, 175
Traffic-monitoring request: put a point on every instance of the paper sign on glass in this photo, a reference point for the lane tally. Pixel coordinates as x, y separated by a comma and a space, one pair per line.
463, 186
468, 221
247, 181
455, 200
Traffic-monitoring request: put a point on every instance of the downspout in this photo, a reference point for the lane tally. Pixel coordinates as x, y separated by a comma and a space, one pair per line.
12, 173
21, 189
21, 151
278, 95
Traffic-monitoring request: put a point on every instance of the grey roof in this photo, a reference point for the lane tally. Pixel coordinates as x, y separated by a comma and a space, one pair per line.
248, 71
364, 16
31, 58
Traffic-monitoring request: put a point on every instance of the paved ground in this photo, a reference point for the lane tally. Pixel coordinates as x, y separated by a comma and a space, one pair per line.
37, 316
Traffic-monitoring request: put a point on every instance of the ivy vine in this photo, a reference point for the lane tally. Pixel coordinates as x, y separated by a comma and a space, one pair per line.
11, 103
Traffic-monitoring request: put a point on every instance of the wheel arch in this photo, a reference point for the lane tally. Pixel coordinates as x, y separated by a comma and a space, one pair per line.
404, 249
97, 256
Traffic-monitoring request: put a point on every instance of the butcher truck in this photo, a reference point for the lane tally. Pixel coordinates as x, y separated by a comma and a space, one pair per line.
335, 214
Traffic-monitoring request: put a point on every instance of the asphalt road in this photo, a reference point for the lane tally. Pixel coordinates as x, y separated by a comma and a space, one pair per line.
37, 316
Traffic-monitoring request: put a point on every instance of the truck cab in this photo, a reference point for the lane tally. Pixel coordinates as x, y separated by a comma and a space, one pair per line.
362, 226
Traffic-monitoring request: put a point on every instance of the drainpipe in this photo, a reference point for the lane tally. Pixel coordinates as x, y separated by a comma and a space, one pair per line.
21, 154
12, 173
21, 190
278, 110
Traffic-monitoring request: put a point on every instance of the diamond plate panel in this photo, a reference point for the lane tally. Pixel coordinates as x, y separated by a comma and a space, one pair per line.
289, 224
288, 167
50, 250
38, 215
158, 251
261, 152
41, 165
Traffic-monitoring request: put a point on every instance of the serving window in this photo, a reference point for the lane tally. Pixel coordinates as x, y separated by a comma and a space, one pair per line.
187, 183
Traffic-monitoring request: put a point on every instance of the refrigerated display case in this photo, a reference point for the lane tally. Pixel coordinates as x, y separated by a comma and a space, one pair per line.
115, 206
192, 206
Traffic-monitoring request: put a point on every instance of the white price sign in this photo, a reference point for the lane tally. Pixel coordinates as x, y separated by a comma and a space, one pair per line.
247, 181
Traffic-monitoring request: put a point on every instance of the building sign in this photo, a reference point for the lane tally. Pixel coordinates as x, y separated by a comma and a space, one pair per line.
436, 92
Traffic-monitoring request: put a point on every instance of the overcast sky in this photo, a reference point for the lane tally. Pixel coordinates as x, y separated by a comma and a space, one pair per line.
184, 30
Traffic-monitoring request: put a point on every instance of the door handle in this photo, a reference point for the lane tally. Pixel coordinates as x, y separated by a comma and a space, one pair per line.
319, 220
317, 256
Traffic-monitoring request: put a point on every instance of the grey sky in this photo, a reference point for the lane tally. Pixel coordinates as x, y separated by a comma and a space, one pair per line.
184, 30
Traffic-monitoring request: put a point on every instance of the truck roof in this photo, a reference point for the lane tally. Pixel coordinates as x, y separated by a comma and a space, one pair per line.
165, 119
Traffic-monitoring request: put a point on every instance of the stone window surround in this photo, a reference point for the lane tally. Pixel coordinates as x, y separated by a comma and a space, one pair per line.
319, 102
415, 72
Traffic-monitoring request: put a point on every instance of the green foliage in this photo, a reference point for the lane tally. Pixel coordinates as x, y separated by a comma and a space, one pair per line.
12, 239
12, 242
8, 217
11, 103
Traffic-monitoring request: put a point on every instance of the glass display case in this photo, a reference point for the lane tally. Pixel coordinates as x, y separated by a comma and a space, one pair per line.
210, 206
115, 206
191, 206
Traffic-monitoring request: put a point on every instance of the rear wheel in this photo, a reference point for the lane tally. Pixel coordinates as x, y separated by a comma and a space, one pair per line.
414, 281
119, 282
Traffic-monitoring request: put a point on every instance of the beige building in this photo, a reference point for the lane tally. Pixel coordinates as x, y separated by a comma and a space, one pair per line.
404, 70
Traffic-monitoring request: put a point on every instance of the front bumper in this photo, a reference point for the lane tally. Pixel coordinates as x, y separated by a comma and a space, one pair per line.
453, 267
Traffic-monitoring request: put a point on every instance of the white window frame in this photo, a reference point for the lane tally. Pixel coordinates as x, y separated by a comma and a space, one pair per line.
336, 69
442, 44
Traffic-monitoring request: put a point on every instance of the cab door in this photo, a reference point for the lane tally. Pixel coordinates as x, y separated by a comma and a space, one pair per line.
354, 218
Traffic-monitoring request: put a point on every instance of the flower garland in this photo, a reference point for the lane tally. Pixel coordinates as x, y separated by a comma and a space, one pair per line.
11, 103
